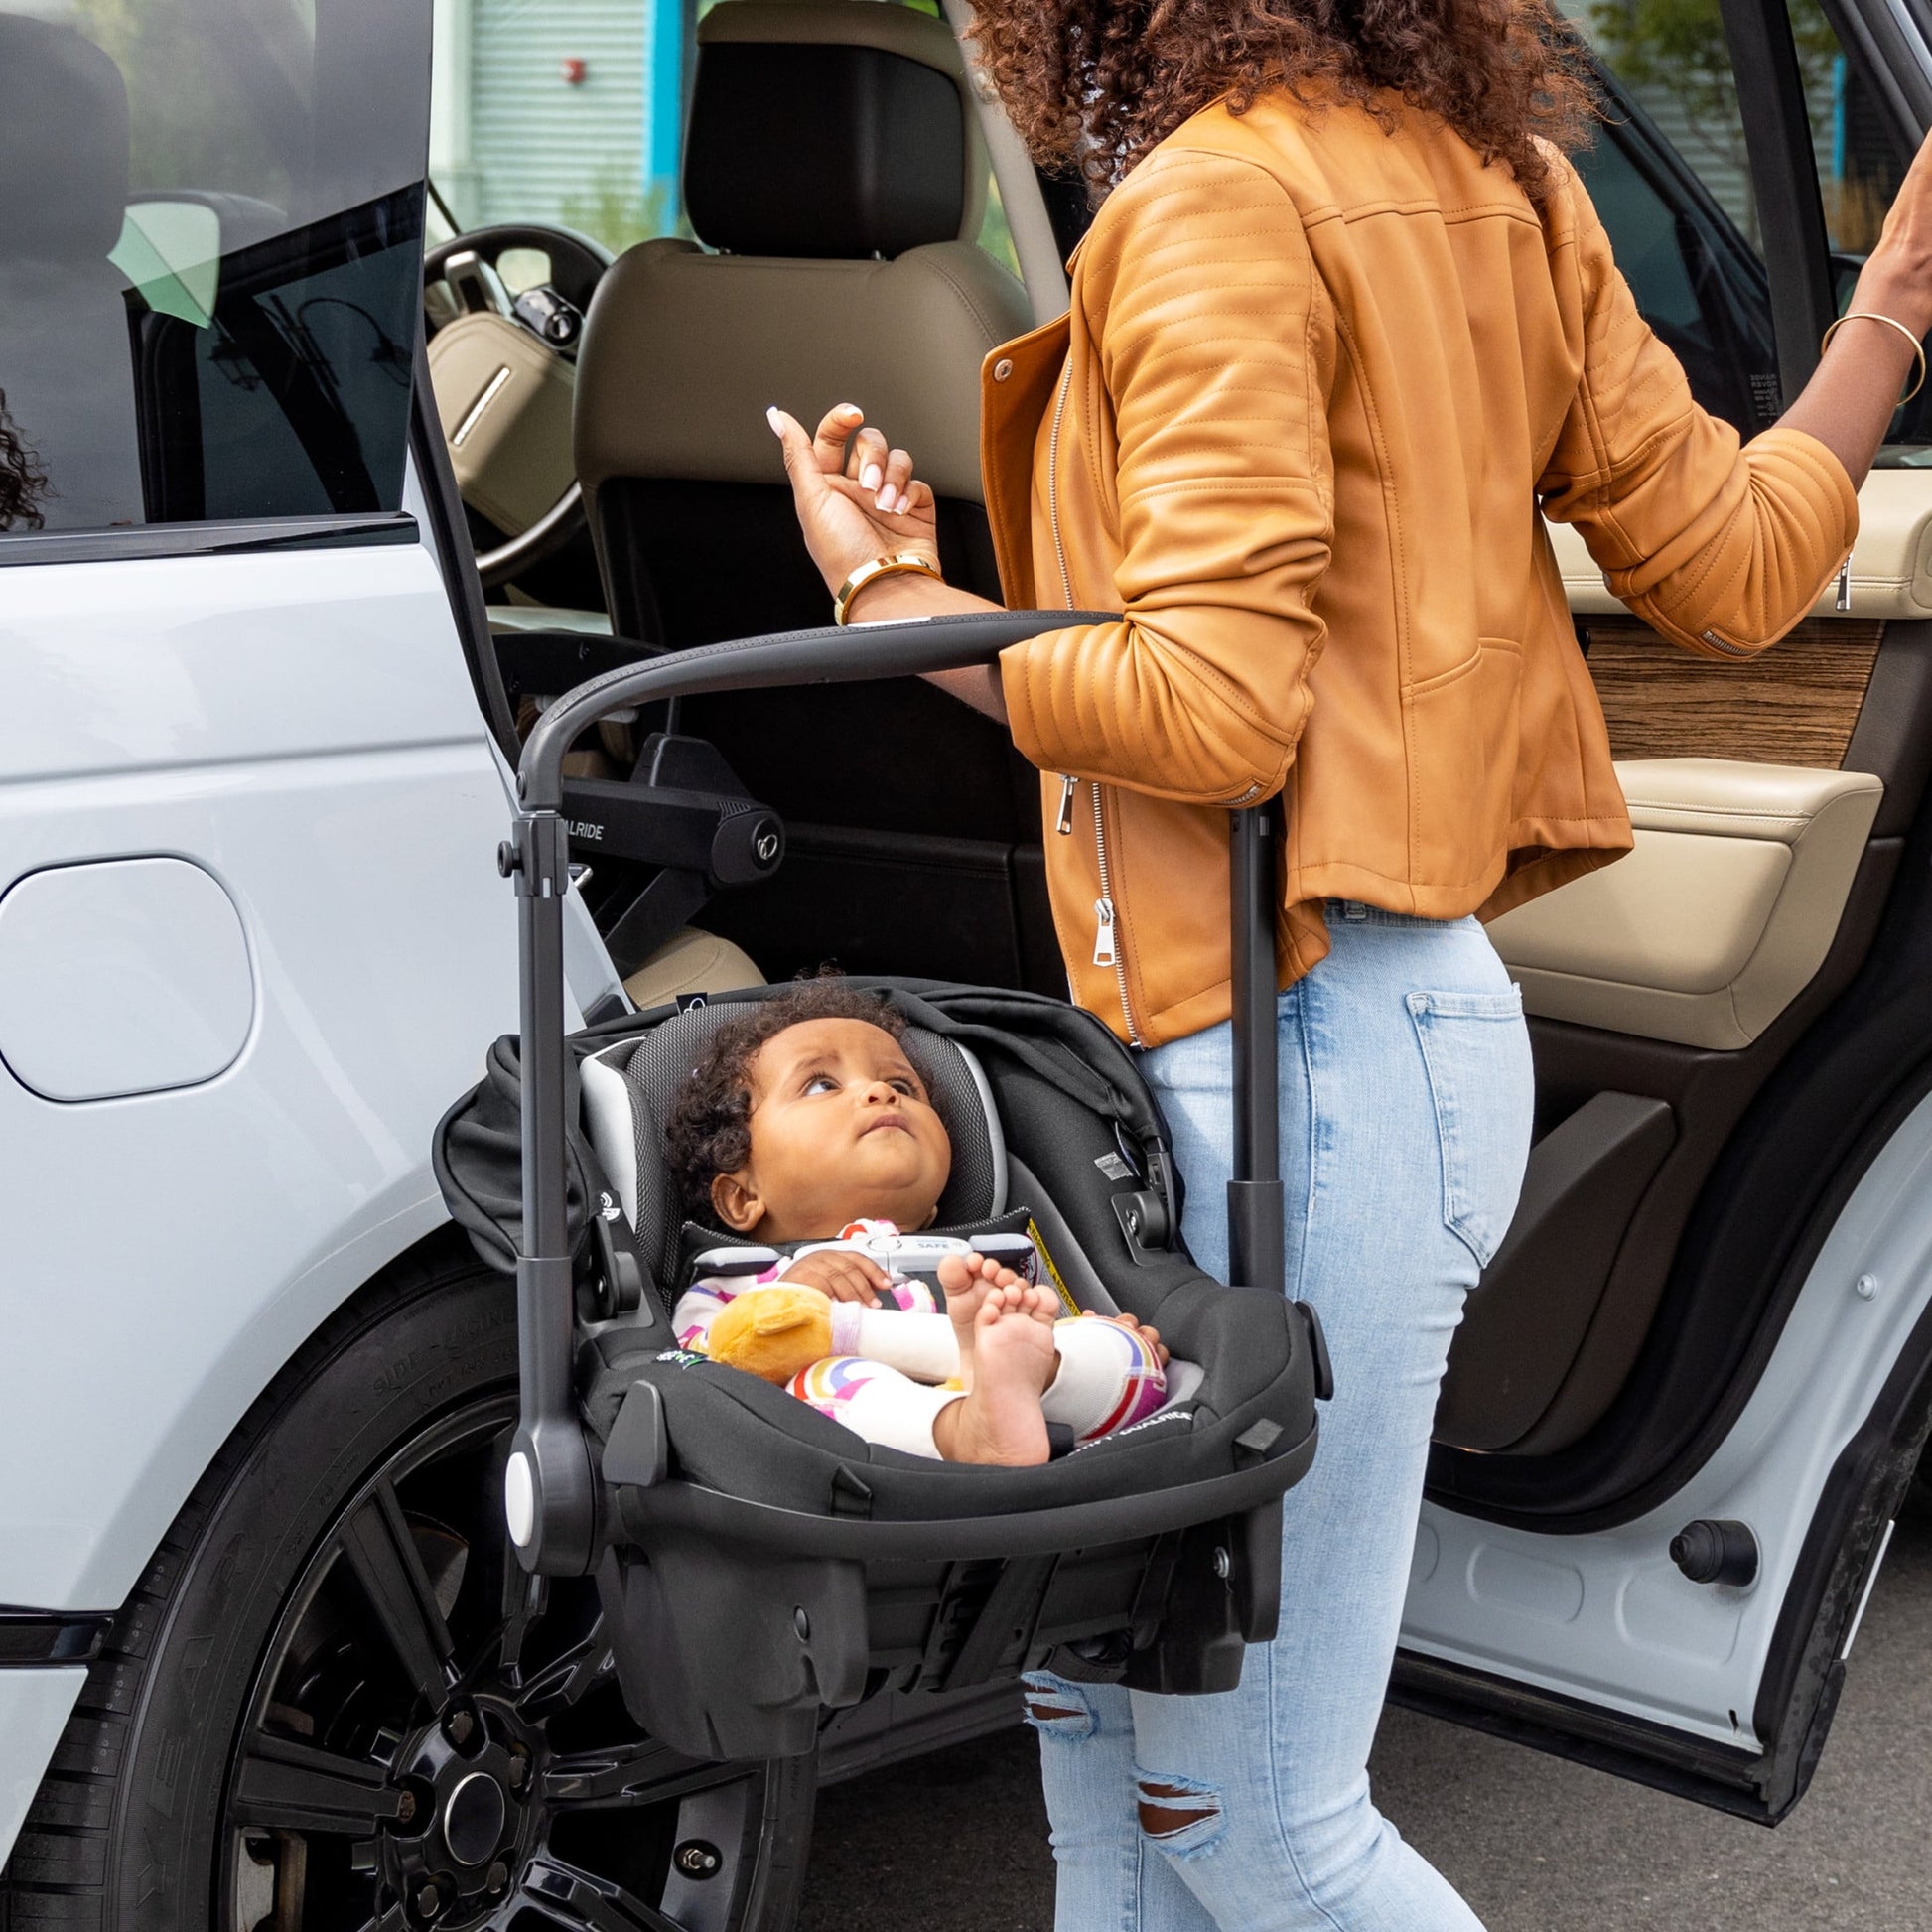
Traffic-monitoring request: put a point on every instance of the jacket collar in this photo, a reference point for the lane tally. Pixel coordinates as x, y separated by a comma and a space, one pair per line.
1017, 384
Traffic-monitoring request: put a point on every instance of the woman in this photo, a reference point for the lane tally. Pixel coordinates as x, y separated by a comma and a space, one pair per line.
1345, 318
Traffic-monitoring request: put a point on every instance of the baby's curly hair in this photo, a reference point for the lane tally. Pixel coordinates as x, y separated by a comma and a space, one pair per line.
709, 1131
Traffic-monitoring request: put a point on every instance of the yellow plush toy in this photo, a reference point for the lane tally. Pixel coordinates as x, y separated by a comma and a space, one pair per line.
778, 1330
773, 1333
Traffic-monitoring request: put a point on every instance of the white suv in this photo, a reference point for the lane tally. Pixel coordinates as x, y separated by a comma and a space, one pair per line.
261, 702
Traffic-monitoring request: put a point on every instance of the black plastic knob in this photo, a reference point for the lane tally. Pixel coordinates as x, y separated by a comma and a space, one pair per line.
1716, 1552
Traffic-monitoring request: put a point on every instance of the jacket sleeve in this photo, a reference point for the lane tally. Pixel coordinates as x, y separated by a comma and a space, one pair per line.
1722, 548
1215, 390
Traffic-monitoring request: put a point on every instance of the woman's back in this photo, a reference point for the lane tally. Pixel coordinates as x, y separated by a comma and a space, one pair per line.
1321, 363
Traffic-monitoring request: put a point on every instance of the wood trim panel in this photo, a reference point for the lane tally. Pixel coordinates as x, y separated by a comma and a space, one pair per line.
1795, 705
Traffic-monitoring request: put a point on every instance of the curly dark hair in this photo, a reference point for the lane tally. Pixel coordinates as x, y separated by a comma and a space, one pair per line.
22, 479
709, 1131
1093, 85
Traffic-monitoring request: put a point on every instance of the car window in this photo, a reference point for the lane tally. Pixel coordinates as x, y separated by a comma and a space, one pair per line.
1669, 176
210, 262
1670, 59
575, 119
1862, 159
1673, 109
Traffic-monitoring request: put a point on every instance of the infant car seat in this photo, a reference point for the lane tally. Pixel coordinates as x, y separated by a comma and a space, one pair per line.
759, 1563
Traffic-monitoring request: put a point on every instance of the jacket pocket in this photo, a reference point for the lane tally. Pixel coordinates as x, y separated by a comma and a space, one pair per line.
1477, 1051
1464, 725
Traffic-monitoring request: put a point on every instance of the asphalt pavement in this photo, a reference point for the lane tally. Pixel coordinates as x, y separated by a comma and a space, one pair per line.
957, 1842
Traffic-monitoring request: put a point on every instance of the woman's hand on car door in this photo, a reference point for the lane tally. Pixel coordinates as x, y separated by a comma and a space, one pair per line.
1849, 402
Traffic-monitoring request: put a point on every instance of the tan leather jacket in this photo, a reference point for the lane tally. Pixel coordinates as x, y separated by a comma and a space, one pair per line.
1314, 380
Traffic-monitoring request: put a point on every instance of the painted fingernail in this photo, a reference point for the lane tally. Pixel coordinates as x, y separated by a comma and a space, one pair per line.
868, 479
772, 417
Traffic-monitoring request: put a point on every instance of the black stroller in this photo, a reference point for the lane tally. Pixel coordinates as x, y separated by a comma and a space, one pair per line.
759, 1565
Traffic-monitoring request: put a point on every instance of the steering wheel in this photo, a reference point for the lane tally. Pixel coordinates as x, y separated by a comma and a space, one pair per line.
553, 312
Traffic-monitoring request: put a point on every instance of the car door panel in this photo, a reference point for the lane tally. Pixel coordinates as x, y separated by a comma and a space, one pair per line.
1709, 1304
1541, 1637
215, 711
1797, 704
1718, 918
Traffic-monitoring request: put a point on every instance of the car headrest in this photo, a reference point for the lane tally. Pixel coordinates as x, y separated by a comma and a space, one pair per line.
626, 1122
835, 129
63, 144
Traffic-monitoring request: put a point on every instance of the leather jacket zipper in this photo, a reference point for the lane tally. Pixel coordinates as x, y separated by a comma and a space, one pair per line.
1053, 481
1106, 934
1729, 649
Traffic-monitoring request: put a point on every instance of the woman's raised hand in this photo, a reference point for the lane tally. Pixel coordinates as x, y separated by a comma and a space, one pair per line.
857, 497
1896, 278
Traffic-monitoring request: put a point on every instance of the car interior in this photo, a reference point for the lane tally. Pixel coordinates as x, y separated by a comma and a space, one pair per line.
1678, 999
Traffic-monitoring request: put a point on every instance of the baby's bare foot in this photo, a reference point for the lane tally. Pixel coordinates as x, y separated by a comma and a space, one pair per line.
967, 1280
1000, 1419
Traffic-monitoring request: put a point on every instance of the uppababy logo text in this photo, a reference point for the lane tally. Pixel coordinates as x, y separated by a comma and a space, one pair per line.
1154, 1420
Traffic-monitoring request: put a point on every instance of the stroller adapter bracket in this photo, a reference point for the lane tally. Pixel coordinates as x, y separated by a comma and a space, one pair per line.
550, 1491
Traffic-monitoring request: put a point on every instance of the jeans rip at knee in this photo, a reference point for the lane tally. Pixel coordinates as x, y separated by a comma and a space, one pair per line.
1179, 1816
1057, 1710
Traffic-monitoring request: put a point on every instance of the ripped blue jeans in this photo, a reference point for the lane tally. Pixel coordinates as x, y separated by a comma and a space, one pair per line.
1406, 1100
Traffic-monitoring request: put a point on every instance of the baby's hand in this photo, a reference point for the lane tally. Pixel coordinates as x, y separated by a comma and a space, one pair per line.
1152, 1336
841, 1274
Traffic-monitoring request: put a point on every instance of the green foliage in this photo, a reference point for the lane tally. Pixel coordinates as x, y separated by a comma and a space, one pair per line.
996, 233
617, 210
1677, 49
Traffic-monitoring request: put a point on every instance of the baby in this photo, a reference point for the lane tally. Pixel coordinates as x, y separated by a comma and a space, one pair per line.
807, 1122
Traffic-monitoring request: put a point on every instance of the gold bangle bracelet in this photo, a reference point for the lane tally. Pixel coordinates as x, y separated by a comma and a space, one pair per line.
1891, 321
886, 566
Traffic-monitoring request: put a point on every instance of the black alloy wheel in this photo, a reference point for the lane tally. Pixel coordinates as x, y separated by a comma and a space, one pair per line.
337, 1704
436, 1738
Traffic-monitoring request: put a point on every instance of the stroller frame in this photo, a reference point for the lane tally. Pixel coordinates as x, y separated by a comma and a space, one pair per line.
560, 1518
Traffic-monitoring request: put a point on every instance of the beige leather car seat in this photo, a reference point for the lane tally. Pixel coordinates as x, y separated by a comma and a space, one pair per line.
835, 173
690, 961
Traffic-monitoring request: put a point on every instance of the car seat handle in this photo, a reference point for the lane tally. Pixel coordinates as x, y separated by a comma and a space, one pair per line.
1256, 1238
550, 1491
832, 654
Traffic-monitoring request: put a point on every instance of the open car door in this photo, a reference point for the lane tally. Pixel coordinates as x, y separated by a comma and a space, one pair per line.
1704, 1330
1688, 1393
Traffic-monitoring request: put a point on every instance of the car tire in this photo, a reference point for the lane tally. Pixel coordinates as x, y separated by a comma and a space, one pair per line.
335, 1700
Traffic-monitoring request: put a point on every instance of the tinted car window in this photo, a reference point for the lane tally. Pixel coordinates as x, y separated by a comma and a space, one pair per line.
1862, 156
1669, 176
210, 258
